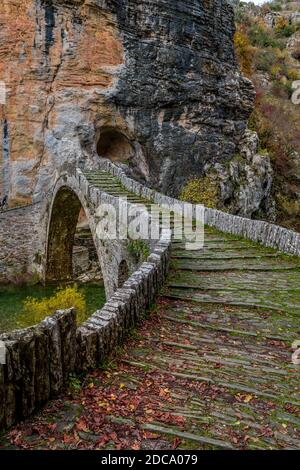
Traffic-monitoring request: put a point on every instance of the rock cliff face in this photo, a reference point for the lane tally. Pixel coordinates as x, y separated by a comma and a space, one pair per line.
151, 83
245, 182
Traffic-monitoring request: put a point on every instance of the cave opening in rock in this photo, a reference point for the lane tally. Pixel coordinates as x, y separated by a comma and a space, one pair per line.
114, 145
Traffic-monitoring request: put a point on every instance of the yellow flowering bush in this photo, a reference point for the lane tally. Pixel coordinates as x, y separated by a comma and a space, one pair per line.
36, 310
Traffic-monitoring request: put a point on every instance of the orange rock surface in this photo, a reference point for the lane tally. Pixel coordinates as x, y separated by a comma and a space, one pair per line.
49, 82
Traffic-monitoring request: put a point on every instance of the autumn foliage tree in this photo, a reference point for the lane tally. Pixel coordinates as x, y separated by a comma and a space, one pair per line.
244, 51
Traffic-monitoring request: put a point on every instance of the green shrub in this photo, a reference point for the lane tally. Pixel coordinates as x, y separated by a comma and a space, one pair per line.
264, 60
139, 250
201, 191
275, 6
260, 36
286, 32
293, 74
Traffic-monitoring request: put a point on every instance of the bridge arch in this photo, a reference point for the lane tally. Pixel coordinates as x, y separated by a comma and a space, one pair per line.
62, 227
61, 217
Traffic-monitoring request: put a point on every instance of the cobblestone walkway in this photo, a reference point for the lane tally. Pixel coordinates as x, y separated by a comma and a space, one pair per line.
210, 368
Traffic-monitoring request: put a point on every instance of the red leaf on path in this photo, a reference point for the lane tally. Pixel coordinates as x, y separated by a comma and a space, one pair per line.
180, 420
168, 418
136, 446
52, 427
113, 436
98, 420
102, 441
150, 435
81, 426
176, 443
68, 439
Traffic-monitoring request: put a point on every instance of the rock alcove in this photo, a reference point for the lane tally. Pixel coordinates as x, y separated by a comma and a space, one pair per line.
114, 145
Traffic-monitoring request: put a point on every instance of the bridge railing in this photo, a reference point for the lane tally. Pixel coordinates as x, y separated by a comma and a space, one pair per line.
265, 233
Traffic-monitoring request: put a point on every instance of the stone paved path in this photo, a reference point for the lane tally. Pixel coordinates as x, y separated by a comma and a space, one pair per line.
209, 368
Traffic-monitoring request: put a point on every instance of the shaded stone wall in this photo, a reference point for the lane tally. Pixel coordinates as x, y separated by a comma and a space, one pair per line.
63, 219
20, 242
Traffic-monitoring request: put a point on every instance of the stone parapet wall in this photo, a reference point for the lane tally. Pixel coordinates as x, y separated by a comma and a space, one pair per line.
38, 362
39, 359
103, 331
265, 233
268, 234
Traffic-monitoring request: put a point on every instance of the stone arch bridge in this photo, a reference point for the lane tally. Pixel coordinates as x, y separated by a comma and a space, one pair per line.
38, 239
220, 343
73, 192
